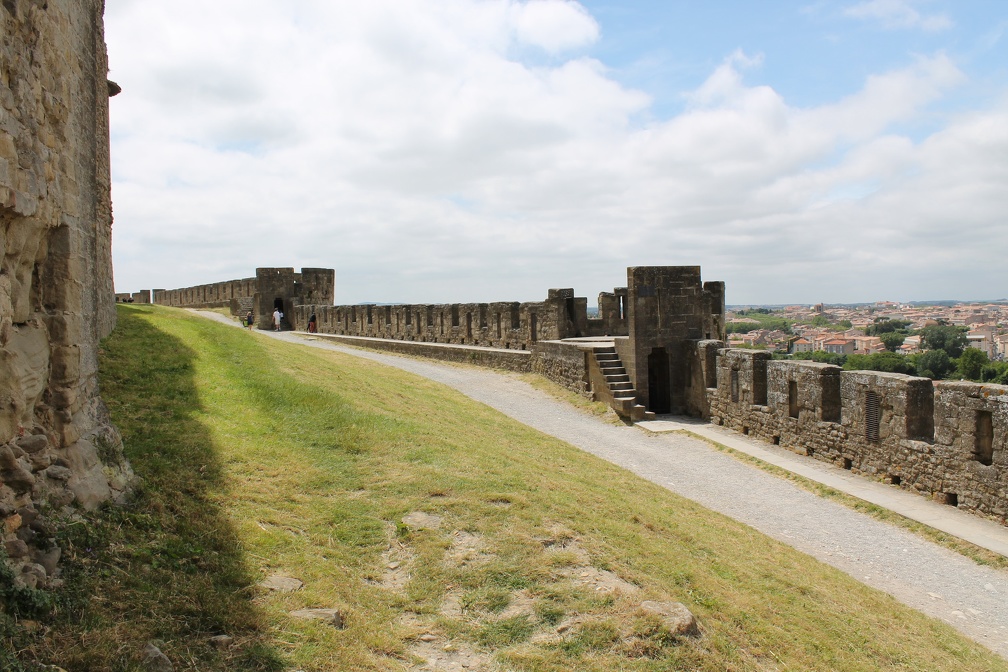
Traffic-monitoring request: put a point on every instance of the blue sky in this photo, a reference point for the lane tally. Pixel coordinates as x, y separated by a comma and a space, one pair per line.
464, 150
811, 52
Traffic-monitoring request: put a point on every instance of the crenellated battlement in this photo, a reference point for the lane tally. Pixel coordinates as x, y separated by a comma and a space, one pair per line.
945, 440
656, 347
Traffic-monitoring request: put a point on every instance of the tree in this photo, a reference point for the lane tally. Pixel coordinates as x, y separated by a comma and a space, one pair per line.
933, 364
972, 362
741, 327
892, 340
945, 337
883, 325
890, 362
822, 357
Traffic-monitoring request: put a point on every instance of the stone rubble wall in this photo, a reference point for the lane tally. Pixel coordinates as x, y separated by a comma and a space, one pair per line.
509, 325
566, 364
57, 445
518, 361
259, 294
946, 440
213, 295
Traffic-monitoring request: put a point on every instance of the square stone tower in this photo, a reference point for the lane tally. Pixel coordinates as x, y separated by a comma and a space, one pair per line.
669, 309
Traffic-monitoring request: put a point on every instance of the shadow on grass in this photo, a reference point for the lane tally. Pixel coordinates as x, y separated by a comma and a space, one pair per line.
168, 566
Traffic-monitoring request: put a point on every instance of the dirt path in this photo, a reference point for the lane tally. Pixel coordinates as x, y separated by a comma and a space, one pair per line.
918, 573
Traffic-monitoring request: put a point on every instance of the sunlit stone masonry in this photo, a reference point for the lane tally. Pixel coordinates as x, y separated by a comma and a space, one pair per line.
57, 446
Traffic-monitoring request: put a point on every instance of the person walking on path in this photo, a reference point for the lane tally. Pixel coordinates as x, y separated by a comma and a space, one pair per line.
249, 318
277, 316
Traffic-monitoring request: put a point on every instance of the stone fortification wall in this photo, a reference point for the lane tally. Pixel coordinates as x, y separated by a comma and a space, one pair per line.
271, 288
508, 360
668, 308
567, 364
508, 325
213, 295
56, 295
946, 440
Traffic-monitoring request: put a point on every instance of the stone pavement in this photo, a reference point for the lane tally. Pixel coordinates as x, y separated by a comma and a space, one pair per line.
965, 526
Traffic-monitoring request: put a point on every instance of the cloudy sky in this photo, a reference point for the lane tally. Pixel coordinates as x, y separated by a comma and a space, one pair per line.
485, 150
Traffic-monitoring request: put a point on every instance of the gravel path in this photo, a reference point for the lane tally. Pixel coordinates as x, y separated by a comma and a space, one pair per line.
920, 574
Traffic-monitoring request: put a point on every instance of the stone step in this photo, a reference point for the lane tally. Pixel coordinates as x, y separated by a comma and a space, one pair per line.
621, 387
617, 377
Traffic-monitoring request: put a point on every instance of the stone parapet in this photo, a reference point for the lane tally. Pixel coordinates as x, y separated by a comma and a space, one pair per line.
508, 360
946, 440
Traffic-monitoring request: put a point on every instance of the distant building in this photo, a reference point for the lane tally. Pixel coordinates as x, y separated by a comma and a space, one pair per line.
839, 346
802, 345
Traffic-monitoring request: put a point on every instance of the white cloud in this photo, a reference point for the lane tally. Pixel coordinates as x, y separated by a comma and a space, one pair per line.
898, 14
408, 145
553, 25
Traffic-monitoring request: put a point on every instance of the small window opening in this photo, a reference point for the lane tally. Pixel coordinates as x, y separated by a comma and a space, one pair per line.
949, 498
792, 394
745, 430
776, 440
831, 399
734, 385
983, 448
872, 416
847, 463
894, 479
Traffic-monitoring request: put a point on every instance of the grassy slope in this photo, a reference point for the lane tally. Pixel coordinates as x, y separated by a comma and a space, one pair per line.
259, 457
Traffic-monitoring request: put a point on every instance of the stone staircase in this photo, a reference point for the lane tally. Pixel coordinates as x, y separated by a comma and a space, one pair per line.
622, 395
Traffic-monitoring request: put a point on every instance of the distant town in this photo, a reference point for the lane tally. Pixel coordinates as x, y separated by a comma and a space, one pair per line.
968, 340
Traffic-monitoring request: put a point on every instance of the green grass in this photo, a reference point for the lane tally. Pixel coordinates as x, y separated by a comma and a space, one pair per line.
258, 457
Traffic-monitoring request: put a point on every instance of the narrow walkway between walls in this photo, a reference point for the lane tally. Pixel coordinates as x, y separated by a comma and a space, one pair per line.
936, 581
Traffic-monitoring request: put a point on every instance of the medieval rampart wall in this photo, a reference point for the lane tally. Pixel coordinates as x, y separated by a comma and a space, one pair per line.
508, 325
271, 288
946, 440
56, 295
213, 295
508, 360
